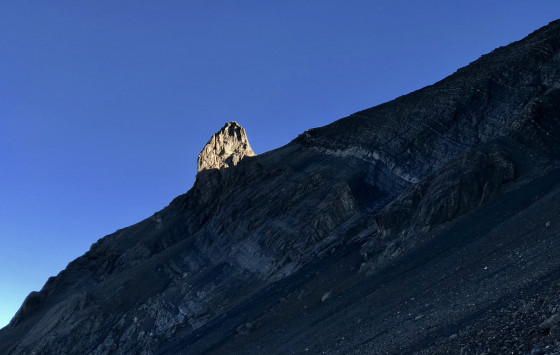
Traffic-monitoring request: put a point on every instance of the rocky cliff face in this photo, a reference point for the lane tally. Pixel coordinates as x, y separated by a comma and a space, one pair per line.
225, 149
426, 224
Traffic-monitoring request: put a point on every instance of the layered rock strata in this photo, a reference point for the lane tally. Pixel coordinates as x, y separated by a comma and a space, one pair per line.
426, 224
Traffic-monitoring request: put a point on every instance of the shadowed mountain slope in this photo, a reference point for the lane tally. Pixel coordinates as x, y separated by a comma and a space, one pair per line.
427, 224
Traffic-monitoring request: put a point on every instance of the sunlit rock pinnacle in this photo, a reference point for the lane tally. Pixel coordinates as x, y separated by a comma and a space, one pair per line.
226, 148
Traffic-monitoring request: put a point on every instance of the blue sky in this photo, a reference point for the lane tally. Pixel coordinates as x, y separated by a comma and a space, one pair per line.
105, 105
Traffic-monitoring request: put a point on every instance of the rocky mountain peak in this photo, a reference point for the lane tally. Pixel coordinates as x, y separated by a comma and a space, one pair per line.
428, 224
226, 148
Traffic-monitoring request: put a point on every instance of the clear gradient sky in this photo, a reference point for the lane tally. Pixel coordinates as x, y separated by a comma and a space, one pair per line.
105, 105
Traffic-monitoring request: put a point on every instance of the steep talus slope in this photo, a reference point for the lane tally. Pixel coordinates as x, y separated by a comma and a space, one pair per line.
410, 226
484, 283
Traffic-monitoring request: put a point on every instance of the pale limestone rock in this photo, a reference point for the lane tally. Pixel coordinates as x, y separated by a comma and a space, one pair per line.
226, 148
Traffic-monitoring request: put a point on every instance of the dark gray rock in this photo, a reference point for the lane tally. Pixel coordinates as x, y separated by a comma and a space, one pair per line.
426, 224
466, 183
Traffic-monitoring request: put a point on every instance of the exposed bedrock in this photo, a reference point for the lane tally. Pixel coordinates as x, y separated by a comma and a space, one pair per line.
368, 235
459, 187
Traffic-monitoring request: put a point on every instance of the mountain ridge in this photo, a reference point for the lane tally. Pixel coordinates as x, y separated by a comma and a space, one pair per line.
248, 251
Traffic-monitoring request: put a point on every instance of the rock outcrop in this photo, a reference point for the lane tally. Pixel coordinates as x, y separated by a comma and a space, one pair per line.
225, 149
461, 186
428, 224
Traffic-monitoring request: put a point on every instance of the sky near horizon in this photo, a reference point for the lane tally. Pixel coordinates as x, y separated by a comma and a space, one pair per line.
105, 105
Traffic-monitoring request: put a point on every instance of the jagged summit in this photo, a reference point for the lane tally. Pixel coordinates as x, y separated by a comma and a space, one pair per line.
226, 148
